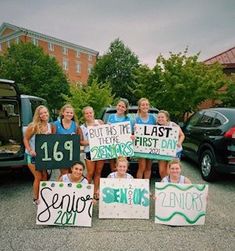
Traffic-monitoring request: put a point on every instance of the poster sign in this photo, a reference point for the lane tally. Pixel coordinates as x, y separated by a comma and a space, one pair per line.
156, 142
110, 141
56, 150
124, 198
180, 204
65, 204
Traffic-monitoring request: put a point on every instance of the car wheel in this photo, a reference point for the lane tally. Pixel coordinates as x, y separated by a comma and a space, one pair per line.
207, 164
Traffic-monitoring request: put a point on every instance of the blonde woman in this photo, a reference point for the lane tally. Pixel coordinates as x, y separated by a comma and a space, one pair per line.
39, 125
94, 168
144, 118
163, 118
175, 176
122, 168
67, 124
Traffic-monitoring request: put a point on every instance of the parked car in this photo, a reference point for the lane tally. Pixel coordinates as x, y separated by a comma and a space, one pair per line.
16, 112
133, 162
210, 141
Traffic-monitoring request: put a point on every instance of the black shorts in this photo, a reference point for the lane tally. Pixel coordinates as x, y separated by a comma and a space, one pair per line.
88, 156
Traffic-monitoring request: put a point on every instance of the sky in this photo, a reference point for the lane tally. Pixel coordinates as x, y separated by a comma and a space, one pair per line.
148, 27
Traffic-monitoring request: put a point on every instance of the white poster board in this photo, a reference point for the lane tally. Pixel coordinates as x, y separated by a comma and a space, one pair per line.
124, 198
180, 204
110, 141
156, 142
65, 204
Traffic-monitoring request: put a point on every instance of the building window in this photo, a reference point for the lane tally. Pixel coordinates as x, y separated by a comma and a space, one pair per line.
78, 54
78, 68
65, 64
8, 44
65, 51
35, 41
89, 57
90, 66
51, 46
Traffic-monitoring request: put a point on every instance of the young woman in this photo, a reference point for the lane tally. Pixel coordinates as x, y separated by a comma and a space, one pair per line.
175, 173
119, 116
66, 125
163, 118
39, 125
144, 117
76, 174
94, 168
122, 167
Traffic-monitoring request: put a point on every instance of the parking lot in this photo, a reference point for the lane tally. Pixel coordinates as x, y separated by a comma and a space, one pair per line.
19, 231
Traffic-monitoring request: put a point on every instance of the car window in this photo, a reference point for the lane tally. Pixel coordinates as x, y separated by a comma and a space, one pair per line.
207, 119
219, 120
194, 120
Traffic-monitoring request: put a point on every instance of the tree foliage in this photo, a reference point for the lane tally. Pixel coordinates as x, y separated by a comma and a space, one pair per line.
35, 73
180, 83
116, 67
94, 95
227, 95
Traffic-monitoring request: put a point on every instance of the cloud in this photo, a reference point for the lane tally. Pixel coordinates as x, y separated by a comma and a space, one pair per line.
147, 27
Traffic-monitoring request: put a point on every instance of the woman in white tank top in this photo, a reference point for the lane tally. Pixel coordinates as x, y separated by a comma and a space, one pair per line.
39, 125
94, 168
175, 173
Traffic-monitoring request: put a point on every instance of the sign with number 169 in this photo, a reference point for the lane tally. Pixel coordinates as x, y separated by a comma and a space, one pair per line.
56, 150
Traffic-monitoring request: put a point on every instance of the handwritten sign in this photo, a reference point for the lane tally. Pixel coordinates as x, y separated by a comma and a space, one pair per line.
110, 141
180, 204
156, 142
65, 204
124, 198
56, 150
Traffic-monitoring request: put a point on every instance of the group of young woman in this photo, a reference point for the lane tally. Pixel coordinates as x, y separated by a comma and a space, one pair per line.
67, 124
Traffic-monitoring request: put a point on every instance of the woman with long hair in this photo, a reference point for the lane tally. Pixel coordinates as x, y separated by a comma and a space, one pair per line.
144, 118
120, 116
39, 125
94, 168
163, 118
66, 124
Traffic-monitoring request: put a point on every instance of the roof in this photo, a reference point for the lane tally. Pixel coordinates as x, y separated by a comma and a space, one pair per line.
17, 31
226, 58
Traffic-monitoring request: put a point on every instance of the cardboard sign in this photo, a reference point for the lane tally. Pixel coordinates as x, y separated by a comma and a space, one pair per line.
65, 204
56, 150
180, 204
156, 142
124, 198
110, 141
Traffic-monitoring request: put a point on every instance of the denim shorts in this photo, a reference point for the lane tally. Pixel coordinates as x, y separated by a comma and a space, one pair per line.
88, 156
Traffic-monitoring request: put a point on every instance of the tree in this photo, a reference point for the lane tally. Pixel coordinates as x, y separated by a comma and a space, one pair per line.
180, 83
116, 67
227, 95
94, 95
147, 83
35, 73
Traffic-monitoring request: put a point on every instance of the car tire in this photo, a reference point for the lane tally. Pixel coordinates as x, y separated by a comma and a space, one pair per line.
207, 165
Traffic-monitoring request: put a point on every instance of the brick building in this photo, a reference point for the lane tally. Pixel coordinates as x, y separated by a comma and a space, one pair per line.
226, 58
77, 61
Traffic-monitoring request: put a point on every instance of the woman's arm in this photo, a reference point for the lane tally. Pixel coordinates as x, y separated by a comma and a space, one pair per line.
187, 181
82, 141
181, 137
27, 136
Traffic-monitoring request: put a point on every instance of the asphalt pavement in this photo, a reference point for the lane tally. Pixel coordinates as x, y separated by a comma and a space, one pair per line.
19, 232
